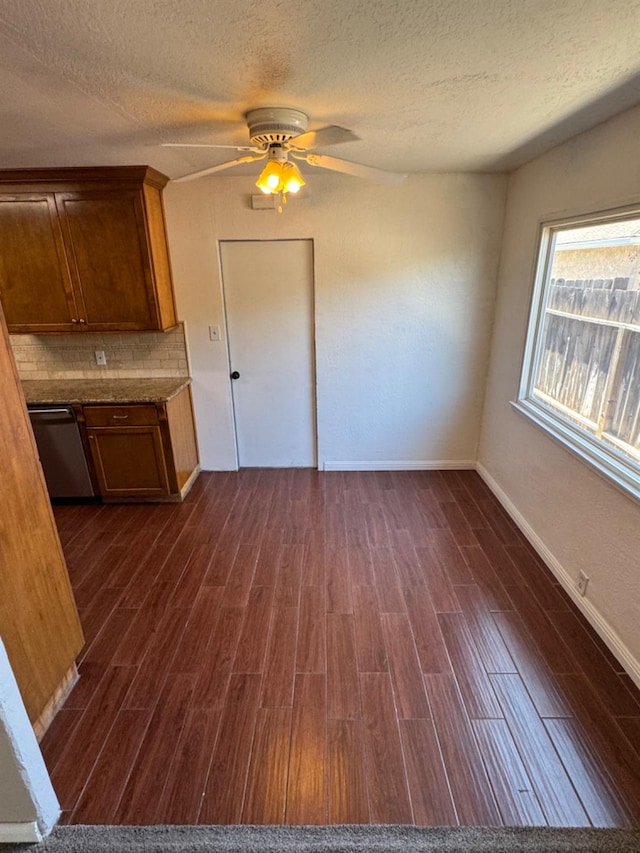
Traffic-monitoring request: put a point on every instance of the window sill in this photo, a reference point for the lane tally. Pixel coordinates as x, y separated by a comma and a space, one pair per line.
606, 462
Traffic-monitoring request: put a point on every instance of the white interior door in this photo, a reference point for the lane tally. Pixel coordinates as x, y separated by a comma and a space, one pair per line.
268, 291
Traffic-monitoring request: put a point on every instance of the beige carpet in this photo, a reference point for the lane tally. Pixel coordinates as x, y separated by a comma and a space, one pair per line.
330, 839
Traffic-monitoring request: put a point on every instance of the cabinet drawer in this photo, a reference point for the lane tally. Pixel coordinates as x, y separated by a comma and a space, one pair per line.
132, 415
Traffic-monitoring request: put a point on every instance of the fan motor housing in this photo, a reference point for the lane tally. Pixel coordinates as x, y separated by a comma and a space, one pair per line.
269, 125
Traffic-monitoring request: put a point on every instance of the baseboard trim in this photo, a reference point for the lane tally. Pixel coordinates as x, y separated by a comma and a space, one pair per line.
406, 465
20, 833
591, 613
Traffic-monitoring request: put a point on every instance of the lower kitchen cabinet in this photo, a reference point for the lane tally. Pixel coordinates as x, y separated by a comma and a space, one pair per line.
129, 461
143, 451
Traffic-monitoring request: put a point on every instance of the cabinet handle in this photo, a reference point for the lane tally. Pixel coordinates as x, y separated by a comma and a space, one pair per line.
81, 320
73, 320
119, 417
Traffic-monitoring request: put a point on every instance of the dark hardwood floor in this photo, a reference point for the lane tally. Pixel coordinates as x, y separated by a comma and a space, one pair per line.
289, 646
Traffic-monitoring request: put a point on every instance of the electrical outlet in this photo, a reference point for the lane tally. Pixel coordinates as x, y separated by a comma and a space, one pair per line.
581, 583
101, 357
214, 333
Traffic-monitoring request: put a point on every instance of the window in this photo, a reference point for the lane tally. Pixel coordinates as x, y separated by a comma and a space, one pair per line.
581, 372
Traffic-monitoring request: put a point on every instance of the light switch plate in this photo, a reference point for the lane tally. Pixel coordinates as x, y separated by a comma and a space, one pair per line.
214, 333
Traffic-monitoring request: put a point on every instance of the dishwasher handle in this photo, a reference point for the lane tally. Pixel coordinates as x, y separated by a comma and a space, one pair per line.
53, 416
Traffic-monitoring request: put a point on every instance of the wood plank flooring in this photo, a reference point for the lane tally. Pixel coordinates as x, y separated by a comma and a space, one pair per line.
289, 646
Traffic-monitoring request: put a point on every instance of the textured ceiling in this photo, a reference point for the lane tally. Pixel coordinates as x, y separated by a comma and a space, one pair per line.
428, 85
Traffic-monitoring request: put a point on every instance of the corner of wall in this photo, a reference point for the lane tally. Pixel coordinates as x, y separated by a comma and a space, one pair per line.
29, 808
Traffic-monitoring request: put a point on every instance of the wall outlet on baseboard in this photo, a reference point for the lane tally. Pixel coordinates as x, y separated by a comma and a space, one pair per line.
581, 583
101, 357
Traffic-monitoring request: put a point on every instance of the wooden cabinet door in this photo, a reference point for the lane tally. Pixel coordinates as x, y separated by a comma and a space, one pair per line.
35, 286
129, 461
110, 265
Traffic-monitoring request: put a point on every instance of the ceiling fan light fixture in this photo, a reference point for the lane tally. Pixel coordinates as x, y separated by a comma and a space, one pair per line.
280, 177
270, 177
292, 179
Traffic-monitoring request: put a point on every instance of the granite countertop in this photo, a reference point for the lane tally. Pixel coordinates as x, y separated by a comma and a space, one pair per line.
61, 391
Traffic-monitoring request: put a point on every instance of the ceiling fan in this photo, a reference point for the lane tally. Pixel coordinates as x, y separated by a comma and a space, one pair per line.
279, 133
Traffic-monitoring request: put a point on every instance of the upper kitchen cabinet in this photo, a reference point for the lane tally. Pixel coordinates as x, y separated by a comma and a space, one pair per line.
84, 250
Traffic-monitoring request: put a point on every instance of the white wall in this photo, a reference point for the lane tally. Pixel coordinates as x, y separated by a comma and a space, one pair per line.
405, 286
28, 806
577, 518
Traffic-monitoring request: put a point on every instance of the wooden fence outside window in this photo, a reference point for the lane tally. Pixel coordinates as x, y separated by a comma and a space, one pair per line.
589, 366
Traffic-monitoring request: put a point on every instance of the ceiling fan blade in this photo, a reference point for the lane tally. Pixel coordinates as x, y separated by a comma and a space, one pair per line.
208, 145
330, 135
219, 168
357, 169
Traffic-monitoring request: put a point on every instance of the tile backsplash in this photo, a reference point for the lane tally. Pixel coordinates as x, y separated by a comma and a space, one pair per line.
128, 354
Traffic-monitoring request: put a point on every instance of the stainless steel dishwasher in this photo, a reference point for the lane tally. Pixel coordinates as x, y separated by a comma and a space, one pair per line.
61, 451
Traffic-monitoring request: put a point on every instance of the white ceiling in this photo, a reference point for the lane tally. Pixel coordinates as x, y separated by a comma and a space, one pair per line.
428, 85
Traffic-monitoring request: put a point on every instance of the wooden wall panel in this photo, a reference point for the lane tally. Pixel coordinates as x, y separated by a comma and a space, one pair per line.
38, 618
183, 438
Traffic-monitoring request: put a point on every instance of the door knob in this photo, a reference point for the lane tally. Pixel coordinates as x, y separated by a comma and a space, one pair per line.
235, 375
